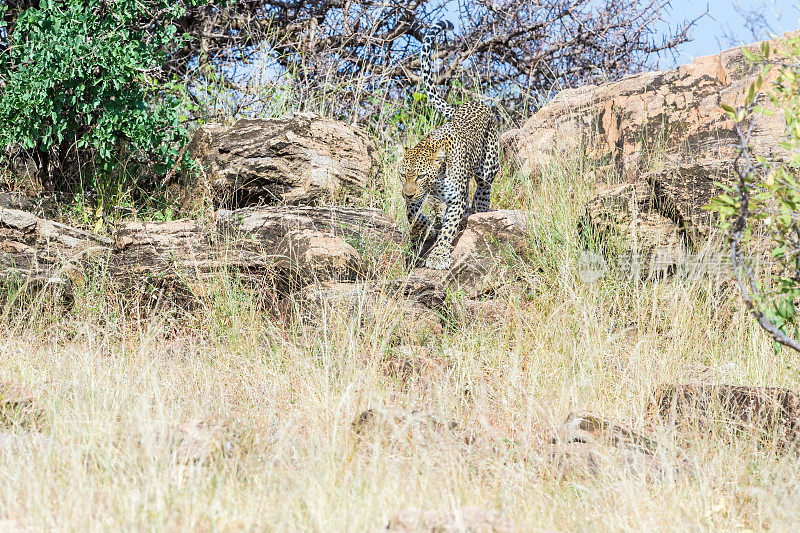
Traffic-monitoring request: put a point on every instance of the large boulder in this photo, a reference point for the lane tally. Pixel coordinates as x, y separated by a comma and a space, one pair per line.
298, 159
665, 132
675, 113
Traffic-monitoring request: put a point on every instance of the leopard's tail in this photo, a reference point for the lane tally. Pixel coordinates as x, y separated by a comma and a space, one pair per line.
426, 58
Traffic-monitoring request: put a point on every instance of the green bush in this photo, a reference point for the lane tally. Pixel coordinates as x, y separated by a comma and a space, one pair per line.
83, 92
765, 199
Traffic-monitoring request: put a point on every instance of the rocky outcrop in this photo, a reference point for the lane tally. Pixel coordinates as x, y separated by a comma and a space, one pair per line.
664, 132
675, 114
284, 248
42, 254
300, 159
486, 256
280, 250
488, 252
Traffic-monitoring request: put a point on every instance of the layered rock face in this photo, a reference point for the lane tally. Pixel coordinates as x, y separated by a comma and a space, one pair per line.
300, 159
281, 248
43, 254
664, 133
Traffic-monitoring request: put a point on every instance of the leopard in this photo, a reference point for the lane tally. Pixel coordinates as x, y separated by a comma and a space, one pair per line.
442, 164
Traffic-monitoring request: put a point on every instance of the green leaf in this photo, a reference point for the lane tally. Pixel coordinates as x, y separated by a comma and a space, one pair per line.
750, 56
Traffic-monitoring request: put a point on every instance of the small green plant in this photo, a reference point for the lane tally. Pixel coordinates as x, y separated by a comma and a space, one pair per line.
83, 90
766, 196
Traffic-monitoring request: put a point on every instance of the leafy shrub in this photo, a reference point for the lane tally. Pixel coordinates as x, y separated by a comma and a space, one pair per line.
766, 197
81, 88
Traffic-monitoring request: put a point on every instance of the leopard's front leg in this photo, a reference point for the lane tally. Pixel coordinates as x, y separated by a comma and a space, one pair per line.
417, 221
439, 256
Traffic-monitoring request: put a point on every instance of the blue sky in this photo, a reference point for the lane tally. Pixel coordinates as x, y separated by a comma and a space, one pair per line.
709, 33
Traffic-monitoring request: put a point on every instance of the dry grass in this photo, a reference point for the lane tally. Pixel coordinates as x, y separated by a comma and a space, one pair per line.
278, 400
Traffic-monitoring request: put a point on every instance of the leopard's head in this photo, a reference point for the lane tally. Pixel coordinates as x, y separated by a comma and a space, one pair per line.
420, 168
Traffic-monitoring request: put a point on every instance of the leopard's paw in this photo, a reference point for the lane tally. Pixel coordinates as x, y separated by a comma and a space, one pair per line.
438, 259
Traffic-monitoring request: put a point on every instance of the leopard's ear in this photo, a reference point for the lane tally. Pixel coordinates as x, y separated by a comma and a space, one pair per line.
400, 150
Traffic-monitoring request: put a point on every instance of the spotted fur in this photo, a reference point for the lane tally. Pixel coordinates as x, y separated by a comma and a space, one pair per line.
442, 164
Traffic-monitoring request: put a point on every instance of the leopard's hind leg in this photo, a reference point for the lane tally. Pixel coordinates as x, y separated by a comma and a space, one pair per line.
488, 171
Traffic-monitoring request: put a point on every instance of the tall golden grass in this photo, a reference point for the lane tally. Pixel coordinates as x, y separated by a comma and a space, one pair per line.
277, 451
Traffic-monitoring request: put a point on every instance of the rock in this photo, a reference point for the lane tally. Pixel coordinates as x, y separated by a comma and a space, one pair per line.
315, 243
422, 285
429, 288
36, 253
470, 519
488, 252
632, 232
675, 114
364, 227
674, 111
19, 406
163, 259
766, 412
301, 158
368, 302
279, 248
590, 445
